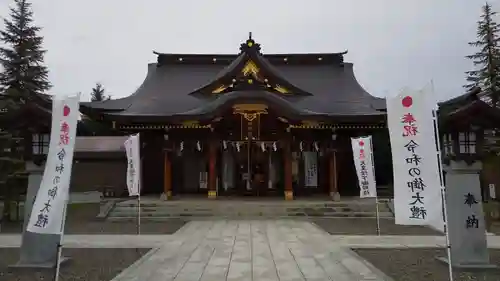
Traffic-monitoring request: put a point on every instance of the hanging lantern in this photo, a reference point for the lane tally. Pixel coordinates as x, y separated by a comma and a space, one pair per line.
181, 146
238, 146
198, 145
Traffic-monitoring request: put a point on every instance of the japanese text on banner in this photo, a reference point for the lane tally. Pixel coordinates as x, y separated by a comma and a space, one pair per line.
48, 208
132, 148
417, 191
362, 152
415, 183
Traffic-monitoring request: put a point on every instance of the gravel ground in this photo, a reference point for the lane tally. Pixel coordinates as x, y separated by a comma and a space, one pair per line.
104, 265
366, 226
81, 219
421, 265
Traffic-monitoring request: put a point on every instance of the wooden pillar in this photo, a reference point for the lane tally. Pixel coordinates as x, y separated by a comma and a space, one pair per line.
287, 154
167, 176
212, 175
332, 176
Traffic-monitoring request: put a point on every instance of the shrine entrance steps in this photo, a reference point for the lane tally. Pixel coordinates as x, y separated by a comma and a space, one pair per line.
240, 208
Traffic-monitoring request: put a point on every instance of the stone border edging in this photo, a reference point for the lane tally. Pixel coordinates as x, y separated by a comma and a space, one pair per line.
373, 268
123, 275
106, 210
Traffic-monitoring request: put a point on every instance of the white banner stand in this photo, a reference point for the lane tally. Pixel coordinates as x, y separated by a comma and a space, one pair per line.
377, 209
139, 214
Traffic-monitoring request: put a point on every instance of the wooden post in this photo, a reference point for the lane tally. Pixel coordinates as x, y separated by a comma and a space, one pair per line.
167, 176
332, 176
287, 155
212, 175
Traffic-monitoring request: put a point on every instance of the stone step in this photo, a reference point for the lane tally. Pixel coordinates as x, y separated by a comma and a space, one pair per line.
255, 213
216, 204
174, 204
244, 209
132, 217
262, 209
247, 209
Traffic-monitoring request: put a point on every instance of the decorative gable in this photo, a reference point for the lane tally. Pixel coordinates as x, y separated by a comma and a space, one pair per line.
250, 71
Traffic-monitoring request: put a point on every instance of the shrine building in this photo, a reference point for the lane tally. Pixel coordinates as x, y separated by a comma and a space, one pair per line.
249, 124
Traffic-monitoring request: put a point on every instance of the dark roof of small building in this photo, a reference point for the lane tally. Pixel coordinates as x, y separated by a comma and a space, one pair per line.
321, 84
471, 95
100, 144
469, 109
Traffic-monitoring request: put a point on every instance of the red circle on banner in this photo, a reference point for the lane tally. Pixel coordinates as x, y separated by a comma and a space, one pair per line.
361, 143
407, 101
66, 110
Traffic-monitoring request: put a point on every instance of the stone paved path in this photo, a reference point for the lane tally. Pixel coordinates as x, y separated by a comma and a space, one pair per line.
283, 250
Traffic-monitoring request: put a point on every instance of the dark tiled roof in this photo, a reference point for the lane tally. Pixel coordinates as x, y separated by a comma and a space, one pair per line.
270, 98
166, 89
469, 109
462, 99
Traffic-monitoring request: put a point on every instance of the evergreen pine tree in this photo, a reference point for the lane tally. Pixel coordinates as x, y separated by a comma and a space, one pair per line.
97, 93
22, 56
12, 166
487, 58
13, 176
89, 127
22, 79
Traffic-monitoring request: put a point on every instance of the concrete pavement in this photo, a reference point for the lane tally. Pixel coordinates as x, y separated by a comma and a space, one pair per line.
249, 250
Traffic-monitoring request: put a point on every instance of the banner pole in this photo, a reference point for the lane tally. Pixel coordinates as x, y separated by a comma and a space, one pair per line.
443, 189
139, 182
378, 215
139, 214
375, 180
59, 245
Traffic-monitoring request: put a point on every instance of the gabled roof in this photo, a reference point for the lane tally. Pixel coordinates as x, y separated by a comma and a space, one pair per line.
250, 67
469, 109
463, 99
181, 84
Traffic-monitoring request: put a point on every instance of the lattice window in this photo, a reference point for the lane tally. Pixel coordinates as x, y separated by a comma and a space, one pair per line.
447, 145
467, 142
40, 144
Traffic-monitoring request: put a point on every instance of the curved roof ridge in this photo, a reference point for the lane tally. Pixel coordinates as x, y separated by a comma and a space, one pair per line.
329, 86
250, 51
225, 71
275, 72
123, 102
231, 96
235, 54
377, 102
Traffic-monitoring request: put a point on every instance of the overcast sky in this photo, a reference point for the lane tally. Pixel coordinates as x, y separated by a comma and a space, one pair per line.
392, 43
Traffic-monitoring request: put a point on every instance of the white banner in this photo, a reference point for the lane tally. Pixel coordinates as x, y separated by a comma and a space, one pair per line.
417, 195
311, 168
48, 212
132, 148
363, 161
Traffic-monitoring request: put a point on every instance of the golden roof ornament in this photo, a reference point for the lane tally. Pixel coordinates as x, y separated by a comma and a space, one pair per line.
250, 44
